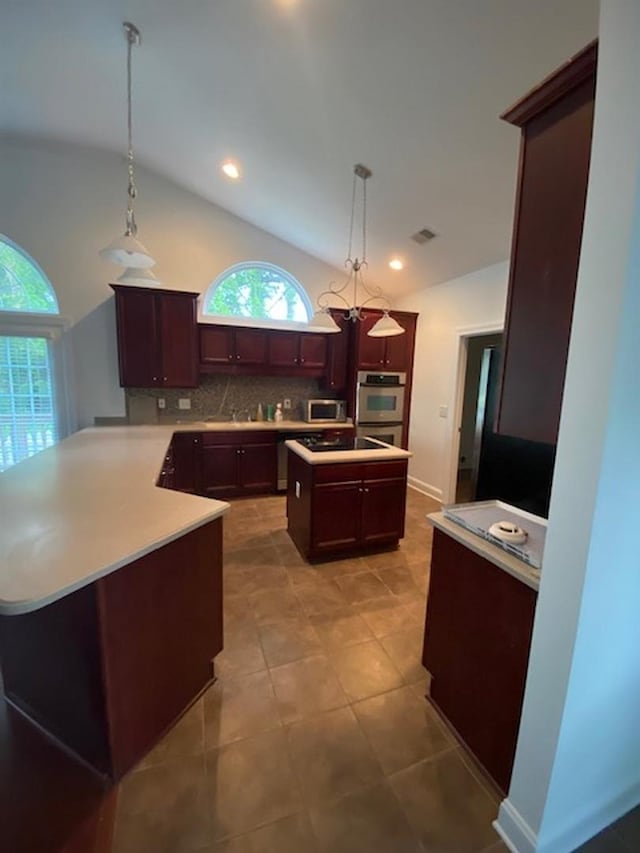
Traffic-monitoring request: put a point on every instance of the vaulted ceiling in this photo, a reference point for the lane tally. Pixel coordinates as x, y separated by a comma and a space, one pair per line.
298, 91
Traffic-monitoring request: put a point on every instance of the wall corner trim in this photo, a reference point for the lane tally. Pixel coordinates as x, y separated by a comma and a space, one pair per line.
514, 830
424, 488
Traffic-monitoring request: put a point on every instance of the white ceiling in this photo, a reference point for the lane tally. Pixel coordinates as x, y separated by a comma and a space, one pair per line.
298, 91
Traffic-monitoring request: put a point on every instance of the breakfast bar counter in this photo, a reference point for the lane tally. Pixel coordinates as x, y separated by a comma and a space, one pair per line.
110, 593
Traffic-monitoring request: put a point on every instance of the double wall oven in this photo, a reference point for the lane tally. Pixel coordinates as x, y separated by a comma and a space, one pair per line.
380, 405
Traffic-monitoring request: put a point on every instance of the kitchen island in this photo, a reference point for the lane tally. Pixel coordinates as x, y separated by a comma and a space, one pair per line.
345, 497
477, 637
110, 594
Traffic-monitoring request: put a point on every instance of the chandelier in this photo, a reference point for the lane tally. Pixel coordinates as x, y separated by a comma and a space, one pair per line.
322, 321
127, 251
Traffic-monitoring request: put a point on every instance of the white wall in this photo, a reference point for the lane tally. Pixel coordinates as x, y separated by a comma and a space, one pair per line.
63, 204
577, 765
472, 302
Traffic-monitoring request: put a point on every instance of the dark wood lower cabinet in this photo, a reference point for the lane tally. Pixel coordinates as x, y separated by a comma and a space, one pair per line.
335, 509
107, 669
476, 647
234, 464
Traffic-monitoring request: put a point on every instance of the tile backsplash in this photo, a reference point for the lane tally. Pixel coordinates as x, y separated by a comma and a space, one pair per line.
220, 396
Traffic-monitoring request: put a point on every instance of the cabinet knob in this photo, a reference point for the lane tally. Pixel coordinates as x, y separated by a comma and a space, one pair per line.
164, 379
381, 361
302, 361
155, 378
237, 357
366, 490
230, 356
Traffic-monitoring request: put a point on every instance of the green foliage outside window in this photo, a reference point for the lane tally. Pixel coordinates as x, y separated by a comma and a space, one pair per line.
261, 292
22, 286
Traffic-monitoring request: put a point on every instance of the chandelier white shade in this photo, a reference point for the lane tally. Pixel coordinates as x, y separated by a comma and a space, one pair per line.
363, 293
139, 277
127, 251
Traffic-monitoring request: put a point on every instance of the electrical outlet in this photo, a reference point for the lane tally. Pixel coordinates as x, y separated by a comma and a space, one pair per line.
184, 403
162, 403
286, 403
444, 411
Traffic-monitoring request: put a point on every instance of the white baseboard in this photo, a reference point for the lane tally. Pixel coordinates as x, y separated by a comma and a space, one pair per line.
424, 488
514, 830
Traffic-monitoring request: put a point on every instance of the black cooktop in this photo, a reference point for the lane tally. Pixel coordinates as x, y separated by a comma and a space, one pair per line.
323, 445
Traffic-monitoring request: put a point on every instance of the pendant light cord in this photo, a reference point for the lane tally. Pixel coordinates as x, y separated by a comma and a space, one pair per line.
133, 37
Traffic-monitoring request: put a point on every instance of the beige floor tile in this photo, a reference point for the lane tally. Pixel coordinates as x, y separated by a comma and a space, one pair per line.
253, 579
289, 640
365, 670
305, 688
367, 821
242, 653
320, 596
251, 783
255, 556
401, 729
347, 566
362, 587
448, 809
164, 809
386, 560
386, 616
332, 756
274, 605
341, 628
237, 708
405, 650
289, 835
399, 579
185, 739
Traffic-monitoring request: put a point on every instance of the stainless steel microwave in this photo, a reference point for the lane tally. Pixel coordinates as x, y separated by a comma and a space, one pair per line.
324, 411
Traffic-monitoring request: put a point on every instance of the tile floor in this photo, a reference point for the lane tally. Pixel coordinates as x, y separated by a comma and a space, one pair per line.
316, 736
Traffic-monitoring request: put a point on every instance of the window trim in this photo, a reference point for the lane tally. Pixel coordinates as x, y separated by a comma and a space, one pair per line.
255, 322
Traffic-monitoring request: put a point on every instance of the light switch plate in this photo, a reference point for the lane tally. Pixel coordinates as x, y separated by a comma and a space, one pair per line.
286, 403
444, 411
184, 403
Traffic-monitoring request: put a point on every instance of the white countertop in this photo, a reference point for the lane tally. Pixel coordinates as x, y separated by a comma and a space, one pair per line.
86, 507
387, 452
280, 426
512, 565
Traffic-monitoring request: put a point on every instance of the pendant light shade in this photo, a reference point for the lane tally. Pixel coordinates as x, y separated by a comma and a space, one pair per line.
385, 327
363, 294
127, 251
322, 321
138, 277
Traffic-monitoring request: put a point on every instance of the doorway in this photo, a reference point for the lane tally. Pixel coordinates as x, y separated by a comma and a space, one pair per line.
483, 356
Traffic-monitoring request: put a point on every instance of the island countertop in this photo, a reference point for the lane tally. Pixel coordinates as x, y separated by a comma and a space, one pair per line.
503, 560
86, 507
385, 453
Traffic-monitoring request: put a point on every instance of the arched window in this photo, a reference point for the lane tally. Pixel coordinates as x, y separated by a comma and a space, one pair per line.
260, 291
30, 373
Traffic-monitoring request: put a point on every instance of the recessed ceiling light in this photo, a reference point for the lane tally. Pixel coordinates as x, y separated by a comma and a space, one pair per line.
231, 169
396, 264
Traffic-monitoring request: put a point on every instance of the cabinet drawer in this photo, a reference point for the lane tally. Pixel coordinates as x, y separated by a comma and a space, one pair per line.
239, 437
348, 471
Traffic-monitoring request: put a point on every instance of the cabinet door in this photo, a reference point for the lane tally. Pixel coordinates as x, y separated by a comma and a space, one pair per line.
250, 346
138, 337
399, 348
383, 509
178, 339
258, 463
284, 349
336, 515
371, 351
216, 344
220, 468
187, 461
554, 171
337, 354
313, 350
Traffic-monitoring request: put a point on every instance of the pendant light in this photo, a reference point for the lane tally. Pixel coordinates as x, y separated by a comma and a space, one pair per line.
322, 321
128, 251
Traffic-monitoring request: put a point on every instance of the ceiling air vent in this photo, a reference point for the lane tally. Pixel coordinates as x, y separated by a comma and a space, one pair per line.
423, 236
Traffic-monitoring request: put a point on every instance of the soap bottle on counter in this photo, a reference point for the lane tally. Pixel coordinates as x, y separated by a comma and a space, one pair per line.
259, 413
277, 416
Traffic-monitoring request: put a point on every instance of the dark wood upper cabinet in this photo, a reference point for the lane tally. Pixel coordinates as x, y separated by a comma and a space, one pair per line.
556, 120
381, 354
335, 377
283, 349
313, 350
251, 346
304, 350
157, 337
216, 344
